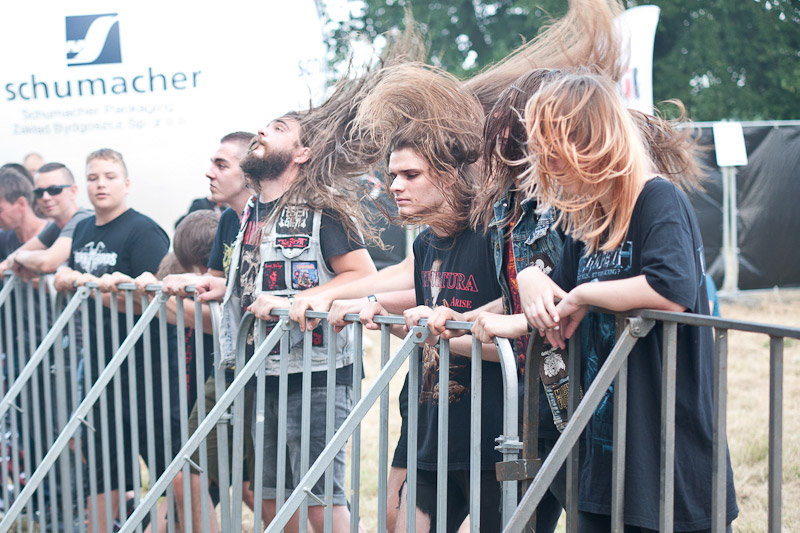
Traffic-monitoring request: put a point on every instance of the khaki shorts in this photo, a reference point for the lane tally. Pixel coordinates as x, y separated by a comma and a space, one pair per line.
249, 465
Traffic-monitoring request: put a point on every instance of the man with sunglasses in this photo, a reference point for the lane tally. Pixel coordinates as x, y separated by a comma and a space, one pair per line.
55, 195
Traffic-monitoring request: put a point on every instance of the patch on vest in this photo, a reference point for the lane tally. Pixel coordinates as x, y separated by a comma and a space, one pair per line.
274, 276
292, 246
304, 275
543, 263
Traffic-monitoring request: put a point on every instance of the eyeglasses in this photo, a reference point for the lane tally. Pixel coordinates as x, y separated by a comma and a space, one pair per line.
53, 190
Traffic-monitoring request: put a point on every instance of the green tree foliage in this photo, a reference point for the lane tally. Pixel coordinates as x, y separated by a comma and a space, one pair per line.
737, 59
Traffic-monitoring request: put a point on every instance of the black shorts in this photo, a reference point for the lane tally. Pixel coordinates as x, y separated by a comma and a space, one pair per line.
400, 458
458, 499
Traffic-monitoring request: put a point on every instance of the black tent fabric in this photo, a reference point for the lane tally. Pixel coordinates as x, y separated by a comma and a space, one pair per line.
768, 202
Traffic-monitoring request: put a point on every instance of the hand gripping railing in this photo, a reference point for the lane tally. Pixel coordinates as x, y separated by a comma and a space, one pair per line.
638, 325
92, 396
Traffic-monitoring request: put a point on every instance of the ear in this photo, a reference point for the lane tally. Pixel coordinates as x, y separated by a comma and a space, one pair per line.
302, 155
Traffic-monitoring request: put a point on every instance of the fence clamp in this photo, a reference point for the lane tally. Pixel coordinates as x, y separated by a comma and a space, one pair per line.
87, 424
508, 444
640, 327
194, 465
313, 496
420, 333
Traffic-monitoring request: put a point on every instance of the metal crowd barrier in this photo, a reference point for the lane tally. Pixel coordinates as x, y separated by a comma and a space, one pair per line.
634, 326
49, 483
57, 497
323, 466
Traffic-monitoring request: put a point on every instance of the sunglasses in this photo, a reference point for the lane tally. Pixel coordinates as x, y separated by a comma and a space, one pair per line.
53, 190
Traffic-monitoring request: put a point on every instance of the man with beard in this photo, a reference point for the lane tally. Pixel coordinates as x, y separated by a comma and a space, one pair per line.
295, 224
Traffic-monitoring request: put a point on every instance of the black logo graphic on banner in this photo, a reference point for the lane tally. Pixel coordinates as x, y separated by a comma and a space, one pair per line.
93, 40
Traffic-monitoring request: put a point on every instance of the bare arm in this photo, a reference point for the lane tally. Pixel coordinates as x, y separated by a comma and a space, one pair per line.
45, 260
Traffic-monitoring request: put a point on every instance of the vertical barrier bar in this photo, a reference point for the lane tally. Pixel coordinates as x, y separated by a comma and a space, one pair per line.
305, 420
49, 406
330, 422
133, 407
283, 391
669, 350
200, 369
5, 302
383, 434
355, 472
165, 406
257, 483
573, 460
61, 405
12, 358
413, 423
35, 413
104, 419
80, 497
149, 408
719, 448
238, 446
620, 440
91, 439
180, 320
220, 378
444, 433
476, 404
114, 316
775, 432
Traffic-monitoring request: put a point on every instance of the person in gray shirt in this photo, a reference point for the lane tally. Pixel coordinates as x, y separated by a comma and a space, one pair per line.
55, 194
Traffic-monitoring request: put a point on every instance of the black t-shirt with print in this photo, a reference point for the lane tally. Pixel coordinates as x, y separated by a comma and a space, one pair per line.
132, 244
224, 239
458, 273
334, 240
663, 244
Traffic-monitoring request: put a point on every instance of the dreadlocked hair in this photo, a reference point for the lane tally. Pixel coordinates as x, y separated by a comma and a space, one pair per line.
425, 109
585, 35
330, 179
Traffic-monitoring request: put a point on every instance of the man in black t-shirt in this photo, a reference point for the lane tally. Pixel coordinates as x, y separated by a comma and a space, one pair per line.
117, 239
227, 187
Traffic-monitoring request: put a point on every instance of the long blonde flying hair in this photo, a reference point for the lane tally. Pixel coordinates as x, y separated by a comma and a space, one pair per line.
578, 119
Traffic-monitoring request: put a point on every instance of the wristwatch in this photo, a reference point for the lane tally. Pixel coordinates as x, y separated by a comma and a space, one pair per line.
372, 298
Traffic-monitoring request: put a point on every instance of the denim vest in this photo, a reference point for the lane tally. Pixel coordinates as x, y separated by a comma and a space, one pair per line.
298, 255
530, 238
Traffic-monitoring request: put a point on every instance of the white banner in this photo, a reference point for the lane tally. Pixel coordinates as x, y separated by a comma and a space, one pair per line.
160, 82
638, 28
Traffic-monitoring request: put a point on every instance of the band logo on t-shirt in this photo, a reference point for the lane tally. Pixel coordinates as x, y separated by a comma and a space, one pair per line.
93, 259
606, 264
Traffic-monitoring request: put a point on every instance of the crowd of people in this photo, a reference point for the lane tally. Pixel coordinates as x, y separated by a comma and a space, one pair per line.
538, 196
